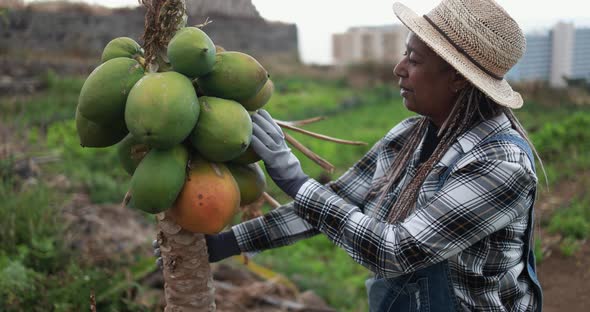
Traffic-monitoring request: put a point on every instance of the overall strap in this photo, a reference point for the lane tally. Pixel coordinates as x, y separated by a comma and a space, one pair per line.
529, 245
515, 139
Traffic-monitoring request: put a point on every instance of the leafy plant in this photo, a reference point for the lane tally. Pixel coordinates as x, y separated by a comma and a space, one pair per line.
97, 169
573, 221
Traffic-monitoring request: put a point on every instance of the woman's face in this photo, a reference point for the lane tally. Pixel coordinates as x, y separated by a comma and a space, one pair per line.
428, 85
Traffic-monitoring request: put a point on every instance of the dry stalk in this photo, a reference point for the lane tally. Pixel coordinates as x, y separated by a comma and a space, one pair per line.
252, 210
289, 125
92, 301
270, 200
126, 199
310, 154
303, 122
162, 20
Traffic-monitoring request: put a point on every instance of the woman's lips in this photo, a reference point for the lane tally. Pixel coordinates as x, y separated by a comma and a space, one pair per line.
404, 91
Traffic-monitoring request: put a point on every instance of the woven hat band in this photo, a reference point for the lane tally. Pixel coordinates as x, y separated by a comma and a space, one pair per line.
482, 31
461, 50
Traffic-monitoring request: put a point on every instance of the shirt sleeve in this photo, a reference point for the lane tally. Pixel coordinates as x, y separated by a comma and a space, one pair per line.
282, 226
478, 198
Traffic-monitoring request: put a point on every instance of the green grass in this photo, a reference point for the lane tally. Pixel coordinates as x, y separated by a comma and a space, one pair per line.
29, 216
97, 170
572, 223
58, 102
326, 269
39, 273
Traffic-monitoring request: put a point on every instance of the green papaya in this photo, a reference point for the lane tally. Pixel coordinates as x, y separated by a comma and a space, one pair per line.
92, 134
251, 181
121, 47
261, 98
235, 76
191, 52
131, 151
247, 157
162, 109
223, 131
103, 94
159, 178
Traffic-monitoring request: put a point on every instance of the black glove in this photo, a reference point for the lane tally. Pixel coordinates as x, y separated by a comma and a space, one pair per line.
219, 247
222, 245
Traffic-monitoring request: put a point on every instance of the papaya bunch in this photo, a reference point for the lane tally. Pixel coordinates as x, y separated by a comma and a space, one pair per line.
183, 134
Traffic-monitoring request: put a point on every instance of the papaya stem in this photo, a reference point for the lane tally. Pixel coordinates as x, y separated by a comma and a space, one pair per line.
317, 135
269, 199
207, 22
162, 19
126, 199
310, 154
304, 122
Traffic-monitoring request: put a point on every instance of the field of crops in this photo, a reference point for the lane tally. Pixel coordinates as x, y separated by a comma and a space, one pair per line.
39, 270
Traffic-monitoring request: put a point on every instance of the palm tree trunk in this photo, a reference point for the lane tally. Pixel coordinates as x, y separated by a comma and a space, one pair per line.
187, 275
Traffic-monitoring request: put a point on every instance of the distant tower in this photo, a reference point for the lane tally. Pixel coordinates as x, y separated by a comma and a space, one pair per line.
562, 52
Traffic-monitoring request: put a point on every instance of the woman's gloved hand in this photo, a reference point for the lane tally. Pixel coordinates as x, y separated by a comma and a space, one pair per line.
268, 141
219, 247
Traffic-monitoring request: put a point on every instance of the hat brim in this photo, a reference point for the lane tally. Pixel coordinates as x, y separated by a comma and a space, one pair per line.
498, 90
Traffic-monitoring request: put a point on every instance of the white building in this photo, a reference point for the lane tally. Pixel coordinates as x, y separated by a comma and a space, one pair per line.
379, 44
563, 52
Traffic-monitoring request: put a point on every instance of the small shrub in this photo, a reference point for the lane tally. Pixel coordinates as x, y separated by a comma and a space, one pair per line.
569, 246
573, 221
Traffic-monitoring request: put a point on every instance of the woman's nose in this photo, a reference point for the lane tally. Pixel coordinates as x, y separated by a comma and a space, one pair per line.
399, 69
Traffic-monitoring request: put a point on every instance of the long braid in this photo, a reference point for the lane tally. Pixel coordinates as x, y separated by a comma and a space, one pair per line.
383, 184
471, 106
469, 103
459, 121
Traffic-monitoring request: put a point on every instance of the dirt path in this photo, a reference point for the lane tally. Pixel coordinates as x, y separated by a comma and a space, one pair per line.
565, 280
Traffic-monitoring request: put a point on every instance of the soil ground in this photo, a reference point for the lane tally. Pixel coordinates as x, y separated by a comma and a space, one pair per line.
566, 281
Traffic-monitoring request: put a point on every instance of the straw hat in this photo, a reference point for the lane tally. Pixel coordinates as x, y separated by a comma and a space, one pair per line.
477, 37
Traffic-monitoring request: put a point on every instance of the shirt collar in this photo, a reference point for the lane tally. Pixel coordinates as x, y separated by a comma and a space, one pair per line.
468, 140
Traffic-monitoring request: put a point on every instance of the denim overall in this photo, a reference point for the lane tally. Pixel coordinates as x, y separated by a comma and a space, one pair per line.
431, 289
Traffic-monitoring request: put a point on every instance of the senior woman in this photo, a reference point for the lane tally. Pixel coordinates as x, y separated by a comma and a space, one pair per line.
441, 208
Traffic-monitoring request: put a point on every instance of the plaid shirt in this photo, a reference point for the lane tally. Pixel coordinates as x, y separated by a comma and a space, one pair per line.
476, 221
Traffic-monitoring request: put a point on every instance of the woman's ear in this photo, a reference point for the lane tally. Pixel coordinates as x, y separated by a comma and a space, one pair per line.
458, 82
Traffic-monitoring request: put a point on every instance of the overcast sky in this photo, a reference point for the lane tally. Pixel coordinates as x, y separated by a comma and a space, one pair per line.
317, 20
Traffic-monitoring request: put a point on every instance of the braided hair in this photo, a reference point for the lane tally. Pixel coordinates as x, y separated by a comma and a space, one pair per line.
471, 107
